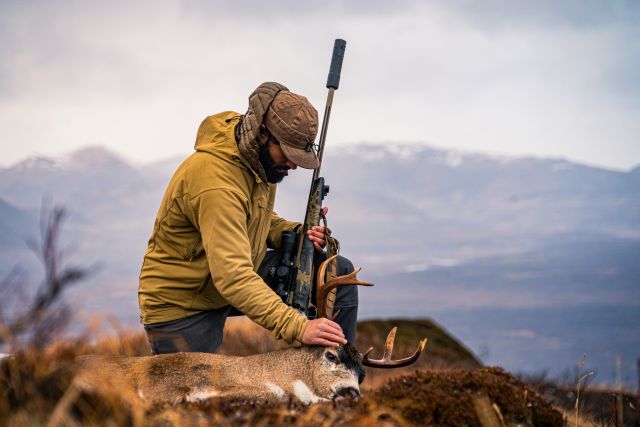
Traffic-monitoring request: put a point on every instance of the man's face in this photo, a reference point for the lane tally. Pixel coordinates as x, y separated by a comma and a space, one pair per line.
276, 165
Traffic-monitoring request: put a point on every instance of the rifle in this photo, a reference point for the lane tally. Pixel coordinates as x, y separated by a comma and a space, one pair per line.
292, 279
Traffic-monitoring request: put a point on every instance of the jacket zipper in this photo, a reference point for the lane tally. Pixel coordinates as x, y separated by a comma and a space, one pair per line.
193, 251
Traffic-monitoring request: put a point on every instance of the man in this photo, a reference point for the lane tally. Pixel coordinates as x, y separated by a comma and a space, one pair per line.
208, 251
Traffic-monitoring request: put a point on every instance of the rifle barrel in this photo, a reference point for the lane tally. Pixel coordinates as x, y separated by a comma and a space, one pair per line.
323, 133
333, 81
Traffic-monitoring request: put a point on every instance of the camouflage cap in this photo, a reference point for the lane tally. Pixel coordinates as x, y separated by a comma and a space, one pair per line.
293, 121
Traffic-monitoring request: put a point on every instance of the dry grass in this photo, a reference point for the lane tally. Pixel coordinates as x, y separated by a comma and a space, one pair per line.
35, 379
599, 404
242, 337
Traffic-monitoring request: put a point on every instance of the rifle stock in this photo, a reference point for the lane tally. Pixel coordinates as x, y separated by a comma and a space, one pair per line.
301, 296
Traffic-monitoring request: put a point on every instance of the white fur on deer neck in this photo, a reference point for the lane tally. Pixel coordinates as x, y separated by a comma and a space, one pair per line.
304, 393
201, 395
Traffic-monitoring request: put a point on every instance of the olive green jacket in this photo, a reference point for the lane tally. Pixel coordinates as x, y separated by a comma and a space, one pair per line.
210, 236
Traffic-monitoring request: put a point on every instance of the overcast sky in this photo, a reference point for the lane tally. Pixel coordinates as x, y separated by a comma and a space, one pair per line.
542, 78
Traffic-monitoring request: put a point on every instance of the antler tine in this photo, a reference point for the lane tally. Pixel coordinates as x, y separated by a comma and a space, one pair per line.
388, 345
323, 269
386, 361
347, 279
366, 353
325, 288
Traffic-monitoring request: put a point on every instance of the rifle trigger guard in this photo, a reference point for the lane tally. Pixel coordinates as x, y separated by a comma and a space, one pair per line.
312, 312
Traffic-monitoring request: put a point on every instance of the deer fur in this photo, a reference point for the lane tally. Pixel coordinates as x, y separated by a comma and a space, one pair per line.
308, 374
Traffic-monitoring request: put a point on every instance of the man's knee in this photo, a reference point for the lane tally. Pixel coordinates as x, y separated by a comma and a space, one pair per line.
346, 296
345, 266
201, 332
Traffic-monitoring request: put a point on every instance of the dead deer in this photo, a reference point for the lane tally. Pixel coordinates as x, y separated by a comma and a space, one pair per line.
308, 374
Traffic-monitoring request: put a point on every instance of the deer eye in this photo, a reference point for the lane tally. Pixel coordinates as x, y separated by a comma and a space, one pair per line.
331, 357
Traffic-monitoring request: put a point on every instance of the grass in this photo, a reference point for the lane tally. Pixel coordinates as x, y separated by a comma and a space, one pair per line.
34, 379
598, 404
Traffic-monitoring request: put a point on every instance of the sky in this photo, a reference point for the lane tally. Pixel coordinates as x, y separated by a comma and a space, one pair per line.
528, 78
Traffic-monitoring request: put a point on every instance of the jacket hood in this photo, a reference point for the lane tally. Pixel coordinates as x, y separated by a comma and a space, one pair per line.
216, 134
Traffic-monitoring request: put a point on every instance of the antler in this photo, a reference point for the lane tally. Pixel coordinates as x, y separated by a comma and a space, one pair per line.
350, 279
386, 361
325, 288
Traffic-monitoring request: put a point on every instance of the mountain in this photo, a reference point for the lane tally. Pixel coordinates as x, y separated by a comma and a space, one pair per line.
15, 225
450, 235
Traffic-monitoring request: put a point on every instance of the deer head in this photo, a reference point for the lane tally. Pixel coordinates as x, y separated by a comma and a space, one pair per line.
324, 290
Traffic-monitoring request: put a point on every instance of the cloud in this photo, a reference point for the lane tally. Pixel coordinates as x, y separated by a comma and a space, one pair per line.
578, 14
546, 342
541, 78
520, 333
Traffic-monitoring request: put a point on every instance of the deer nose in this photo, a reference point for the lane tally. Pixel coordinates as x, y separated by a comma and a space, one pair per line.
348, 392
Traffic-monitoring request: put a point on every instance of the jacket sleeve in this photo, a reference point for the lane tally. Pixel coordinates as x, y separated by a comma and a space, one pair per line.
222, 217
278, 226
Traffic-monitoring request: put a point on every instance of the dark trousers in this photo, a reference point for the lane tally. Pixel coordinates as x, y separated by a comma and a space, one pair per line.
203, 331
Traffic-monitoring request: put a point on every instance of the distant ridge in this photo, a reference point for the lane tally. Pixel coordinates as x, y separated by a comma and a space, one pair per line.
101, 155
453, 157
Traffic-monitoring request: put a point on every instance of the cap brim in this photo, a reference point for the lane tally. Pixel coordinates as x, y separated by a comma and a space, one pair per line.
303, 158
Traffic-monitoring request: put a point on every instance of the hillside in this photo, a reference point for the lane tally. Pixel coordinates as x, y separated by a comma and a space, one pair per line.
14, 225
443, 350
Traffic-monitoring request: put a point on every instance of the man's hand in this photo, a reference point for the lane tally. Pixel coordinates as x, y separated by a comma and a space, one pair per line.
323, 332
316, 234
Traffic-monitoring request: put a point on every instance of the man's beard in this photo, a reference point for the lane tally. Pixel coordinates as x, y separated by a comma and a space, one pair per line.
273, 176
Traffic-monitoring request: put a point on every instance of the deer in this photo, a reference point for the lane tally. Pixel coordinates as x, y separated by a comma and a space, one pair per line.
307, 374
